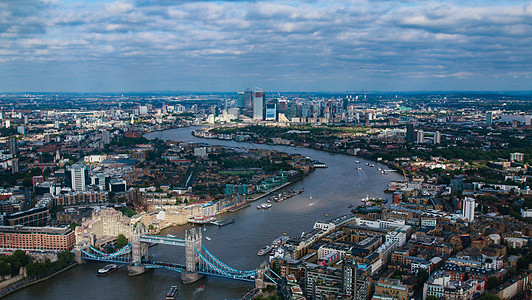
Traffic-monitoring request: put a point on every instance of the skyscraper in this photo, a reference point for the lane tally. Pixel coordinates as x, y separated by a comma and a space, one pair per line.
410, 135
258, 104
468, 210
489, 117
248, 100
420, 138
437, 137
12, 145
77, 173
271, 112
240, 100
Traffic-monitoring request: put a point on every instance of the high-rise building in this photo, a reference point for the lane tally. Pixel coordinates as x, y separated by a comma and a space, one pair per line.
14, 165
258, 104
240, 100
468, 211
437, 137
12, 145
77, 173
271, 112
420, 137
489, 117
106, 137
528, 120
410, 133
248, 100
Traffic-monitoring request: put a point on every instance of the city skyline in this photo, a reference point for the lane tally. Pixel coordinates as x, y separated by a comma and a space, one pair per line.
128, 46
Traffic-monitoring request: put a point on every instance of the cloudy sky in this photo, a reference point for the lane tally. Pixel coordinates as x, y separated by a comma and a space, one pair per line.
304, 45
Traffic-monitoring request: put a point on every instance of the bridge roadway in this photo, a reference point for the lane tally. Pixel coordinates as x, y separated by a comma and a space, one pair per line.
165, 265
162, 240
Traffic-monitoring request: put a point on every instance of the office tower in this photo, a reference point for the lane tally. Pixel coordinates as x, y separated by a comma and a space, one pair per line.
47, 138
21, 130
271, 112
489, 117
240, 100
248, 100
528, 120
77, 173
468, 211
409, 132
282, 105
258, 104
12, 145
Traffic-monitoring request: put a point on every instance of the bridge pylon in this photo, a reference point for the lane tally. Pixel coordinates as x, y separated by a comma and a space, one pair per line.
193, 241
138, 250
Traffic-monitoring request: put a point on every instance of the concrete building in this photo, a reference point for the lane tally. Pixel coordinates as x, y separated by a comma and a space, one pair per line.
258, 104
489, 117
77, 174
468, 212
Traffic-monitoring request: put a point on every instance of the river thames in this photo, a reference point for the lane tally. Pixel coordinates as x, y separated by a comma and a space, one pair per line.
332, 190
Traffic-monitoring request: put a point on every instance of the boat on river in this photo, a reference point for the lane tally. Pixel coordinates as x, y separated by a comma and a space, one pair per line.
172, 292
108, 269
264, 250
264, 206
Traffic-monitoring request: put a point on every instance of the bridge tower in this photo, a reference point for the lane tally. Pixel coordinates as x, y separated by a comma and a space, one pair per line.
193, 241
138, 250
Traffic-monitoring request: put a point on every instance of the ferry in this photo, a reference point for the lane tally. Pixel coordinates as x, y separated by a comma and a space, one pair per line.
265, 250
223, 222
264, 206
108, 269
286, 195
201, 220
357, 161
172, 293
359, 168
170, 235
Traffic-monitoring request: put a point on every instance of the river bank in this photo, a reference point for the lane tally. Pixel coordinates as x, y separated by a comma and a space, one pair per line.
30, 281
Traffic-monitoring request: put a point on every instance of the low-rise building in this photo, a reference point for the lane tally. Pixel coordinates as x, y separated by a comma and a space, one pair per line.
36, 238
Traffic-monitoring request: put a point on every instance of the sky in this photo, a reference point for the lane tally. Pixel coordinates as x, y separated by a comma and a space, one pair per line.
302, 45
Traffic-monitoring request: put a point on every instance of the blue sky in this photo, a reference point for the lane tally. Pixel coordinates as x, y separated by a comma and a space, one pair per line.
312, 45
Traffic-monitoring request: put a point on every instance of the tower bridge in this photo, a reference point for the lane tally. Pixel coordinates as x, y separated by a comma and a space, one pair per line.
198, 260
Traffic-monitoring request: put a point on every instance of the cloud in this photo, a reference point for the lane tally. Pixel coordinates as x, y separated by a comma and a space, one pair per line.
323, 42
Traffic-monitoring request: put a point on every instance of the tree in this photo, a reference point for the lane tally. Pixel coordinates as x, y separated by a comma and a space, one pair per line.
493, 282
5, 269
121, 241
23, 258
14, 262
488, 296
36, 269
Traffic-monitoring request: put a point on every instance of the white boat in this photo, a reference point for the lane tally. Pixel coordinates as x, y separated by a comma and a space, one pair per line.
107, 270
207, 238
264, 206
170, 235
265, 250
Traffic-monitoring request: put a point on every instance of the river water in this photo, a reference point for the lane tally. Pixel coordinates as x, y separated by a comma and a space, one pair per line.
332, 190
